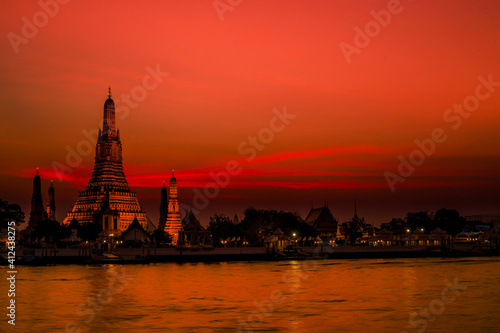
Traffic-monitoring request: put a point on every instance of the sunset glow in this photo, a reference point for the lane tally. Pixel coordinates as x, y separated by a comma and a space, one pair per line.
194, 93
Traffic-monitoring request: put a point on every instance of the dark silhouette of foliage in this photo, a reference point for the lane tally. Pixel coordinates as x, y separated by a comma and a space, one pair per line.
449, 220
50, 232
10, 212
89, 231
162, 237
221, 227
422, 219
257, 225
354, 229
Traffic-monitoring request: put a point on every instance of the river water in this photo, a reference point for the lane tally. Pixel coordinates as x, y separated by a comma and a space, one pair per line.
372, 295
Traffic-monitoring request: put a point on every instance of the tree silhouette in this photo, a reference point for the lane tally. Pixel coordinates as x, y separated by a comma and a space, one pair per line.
354, 229
449, 220
89, 231
10, 212
258, 224
50, 231
162, 237
422, 219
221, 227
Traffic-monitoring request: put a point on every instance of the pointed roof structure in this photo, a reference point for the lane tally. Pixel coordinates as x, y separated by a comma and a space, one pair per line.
173, 223
108, 167
74, 224
278, 232
355, 217
135, 232
163, 208
107, 188
418, 231
191, 223
134, 225
278, 235
322, 220
438, 231
37, 213
384, 231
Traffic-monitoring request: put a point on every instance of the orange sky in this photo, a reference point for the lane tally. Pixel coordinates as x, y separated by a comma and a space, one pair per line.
352, 119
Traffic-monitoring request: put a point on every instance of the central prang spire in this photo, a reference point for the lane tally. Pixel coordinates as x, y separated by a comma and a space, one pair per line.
107, 200
108, 125
173, 225
108, 169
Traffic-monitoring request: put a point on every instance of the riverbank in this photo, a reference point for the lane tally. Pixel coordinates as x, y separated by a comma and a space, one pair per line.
56, 256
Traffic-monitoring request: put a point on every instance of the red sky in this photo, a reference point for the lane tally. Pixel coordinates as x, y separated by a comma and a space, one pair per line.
352, 119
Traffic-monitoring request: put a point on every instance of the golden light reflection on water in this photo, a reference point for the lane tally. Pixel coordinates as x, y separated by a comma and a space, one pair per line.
295, 296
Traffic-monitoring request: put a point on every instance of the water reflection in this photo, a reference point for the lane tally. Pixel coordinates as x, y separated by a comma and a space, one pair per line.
349, 295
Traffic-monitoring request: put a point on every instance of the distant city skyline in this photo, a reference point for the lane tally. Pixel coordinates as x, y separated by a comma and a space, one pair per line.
271, 88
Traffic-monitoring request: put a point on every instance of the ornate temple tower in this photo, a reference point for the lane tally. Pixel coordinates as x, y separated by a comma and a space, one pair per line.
173, 216
37, 213
51, 205
163, 208
108, 200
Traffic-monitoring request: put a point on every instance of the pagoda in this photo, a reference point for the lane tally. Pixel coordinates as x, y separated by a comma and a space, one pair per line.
37, 213
107, 199
51, 205
173, 222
